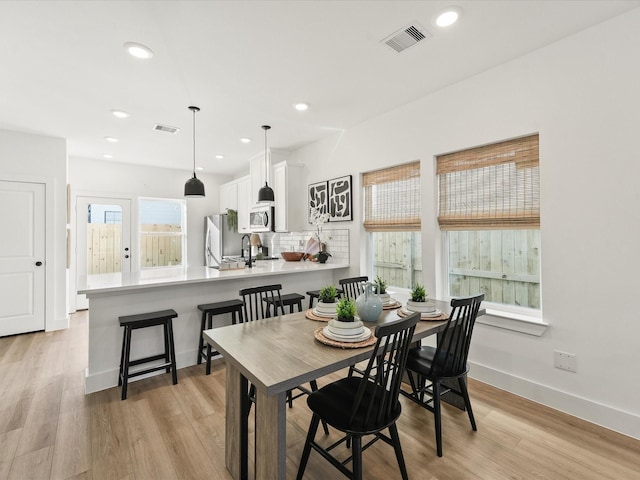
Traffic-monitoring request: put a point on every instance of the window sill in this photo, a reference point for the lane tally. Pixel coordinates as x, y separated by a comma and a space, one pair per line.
513, 321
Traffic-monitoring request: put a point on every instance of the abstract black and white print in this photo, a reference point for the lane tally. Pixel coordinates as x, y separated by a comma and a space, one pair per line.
340, 199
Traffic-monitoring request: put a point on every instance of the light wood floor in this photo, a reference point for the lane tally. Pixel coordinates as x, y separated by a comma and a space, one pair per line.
50, 429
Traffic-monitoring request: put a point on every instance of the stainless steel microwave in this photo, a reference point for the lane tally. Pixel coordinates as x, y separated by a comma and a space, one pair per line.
261, 218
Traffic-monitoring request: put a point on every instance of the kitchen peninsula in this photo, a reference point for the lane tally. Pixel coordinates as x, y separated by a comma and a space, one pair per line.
182, 289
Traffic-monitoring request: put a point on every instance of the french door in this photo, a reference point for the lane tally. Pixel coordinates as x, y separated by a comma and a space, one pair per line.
103, 239
22, 257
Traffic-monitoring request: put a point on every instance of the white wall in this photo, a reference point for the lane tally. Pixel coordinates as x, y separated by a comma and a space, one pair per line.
35, 158
102, 178
581, 94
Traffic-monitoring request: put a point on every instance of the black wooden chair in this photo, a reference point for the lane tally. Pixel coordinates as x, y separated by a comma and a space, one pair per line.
264, 302
360, 406
428, 367
352, 287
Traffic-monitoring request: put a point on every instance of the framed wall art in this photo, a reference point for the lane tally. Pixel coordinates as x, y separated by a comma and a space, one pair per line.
340, 199
318, 198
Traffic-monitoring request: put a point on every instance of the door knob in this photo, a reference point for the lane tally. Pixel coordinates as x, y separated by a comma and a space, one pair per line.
38, 263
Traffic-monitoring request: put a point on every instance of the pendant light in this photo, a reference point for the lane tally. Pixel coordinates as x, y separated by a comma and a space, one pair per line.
194, 187
265, 194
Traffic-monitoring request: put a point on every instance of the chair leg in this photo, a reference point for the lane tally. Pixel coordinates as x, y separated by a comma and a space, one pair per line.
167, 351
252, 395
313, 428
356, 458
467, 402
172, 353
395, 438
437, 416
125, 366
201, 342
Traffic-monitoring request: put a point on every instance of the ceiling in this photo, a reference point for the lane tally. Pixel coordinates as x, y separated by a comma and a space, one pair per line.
244, 63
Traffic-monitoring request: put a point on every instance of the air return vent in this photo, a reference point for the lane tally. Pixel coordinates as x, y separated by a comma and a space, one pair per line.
407, 37
165, 128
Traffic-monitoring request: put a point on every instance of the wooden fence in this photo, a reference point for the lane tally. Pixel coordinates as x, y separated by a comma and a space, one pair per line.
398, 258
160, 245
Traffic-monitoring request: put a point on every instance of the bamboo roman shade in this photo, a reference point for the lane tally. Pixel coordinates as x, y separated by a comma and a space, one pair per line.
392, 198
496, 186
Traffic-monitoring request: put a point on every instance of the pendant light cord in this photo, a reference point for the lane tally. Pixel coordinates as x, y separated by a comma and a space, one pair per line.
266, 158
194, 142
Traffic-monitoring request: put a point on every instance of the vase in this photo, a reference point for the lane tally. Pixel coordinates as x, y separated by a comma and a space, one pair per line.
368, 304
323, 257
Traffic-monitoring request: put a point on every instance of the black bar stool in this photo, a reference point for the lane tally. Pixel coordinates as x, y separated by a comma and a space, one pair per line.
143, 320
288, 300
208, 311
313, 294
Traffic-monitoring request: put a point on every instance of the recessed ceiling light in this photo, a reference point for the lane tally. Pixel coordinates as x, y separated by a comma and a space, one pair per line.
219, 157
245, 140
301, 106
138, 50
111, 139
107, 155
120, 113
448, 17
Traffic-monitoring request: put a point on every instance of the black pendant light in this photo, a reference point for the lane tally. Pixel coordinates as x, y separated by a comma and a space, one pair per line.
265, 194
194, 187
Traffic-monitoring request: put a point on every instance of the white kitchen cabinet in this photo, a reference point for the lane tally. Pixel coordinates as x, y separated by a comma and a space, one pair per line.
290, 197
229, 196
244, 203
257, 170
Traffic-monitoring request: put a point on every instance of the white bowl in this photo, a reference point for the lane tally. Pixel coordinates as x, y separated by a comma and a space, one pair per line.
421, 307
326, 307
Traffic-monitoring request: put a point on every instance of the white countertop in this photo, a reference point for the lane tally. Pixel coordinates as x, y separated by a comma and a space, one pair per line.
163, 277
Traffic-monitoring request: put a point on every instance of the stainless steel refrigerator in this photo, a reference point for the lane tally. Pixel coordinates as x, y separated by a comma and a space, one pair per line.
220, 241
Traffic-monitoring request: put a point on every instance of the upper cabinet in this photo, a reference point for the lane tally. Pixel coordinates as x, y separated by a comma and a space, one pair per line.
236, 195
257, 170
229, 196
290, 197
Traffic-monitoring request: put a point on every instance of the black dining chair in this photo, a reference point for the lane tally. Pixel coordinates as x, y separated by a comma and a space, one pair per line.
363, 406
263, 302
352, 287
428, 367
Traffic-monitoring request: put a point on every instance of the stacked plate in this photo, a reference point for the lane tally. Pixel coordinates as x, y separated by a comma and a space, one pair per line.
423, 315
346, 331
327, 310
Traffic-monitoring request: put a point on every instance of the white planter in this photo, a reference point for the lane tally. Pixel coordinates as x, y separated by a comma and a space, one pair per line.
385, 297
421, 307
326, 307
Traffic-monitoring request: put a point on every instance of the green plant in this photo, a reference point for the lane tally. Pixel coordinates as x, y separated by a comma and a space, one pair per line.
232, 219
328, 294
322, 256
418, 294
380, 285
346, 310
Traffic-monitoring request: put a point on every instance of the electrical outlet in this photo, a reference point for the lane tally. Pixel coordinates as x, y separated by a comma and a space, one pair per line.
565, 361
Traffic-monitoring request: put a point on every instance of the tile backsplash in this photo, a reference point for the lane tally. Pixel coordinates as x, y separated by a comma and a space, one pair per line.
337, 246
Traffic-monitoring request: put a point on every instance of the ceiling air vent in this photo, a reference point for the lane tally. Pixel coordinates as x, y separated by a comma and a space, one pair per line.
406, 37
165, 128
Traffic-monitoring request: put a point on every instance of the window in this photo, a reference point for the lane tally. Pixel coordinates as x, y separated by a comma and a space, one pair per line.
489, 209
392, 217
162, 232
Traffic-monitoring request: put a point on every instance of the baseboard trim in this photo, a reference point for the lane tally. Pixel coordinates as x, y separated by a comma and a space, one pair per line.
606, 416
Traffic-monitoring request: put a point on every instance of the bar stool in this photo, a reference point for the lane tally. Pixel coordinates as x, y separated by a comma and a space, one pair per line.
288, 300
144, 320
313, 294
208, 311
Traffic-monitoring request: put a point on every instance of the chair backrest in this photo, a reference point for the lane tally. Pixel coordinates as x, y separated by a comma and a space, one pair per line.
376, 402
352, 287
255, 306
453, 343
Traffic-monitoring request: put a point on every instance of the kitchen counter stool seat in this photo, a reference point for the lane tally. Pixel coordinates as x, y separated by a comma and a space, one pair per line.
234, 307
288, 300
143, 320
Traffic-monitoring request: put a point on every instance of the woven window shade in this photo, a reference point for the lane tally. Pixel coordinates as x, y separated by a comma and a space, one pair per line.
491, 187
392, 198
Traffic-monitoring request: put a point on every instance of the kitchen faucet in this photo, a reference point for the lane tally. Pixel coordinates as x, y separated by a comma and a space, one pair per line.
248, 262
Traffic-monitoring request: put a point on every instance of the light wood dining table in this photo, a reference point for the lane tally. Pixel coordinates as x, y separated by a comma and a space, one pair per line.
276, 355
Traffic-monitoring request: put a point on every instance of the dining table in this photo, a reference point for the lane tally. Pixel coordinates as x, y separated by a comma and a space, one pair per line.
276, 355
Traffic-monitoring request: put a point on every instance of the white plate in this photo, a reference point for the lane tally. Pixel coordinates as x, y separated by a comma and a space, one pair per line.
323, 314
350, 339
392, 301
345, 332
437, 313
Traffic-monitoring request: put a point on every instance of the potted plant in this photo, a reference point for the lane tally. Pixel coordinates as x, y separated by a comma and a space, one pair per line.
327, 299
318, 218
346, 310
418, 302
380, 286
322, 257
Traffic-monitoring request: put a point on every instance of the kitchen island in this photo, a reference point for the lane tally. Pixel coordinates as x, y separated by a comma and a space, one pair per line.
182, 289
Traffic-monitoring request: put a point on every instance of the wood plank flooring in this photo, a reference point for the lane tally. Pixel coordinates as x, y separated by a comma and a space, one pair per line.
50, 429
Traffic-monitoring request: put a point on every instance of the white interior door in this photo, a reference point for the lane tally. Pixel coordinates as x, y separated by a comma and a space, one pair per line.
103, 239
22, 257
